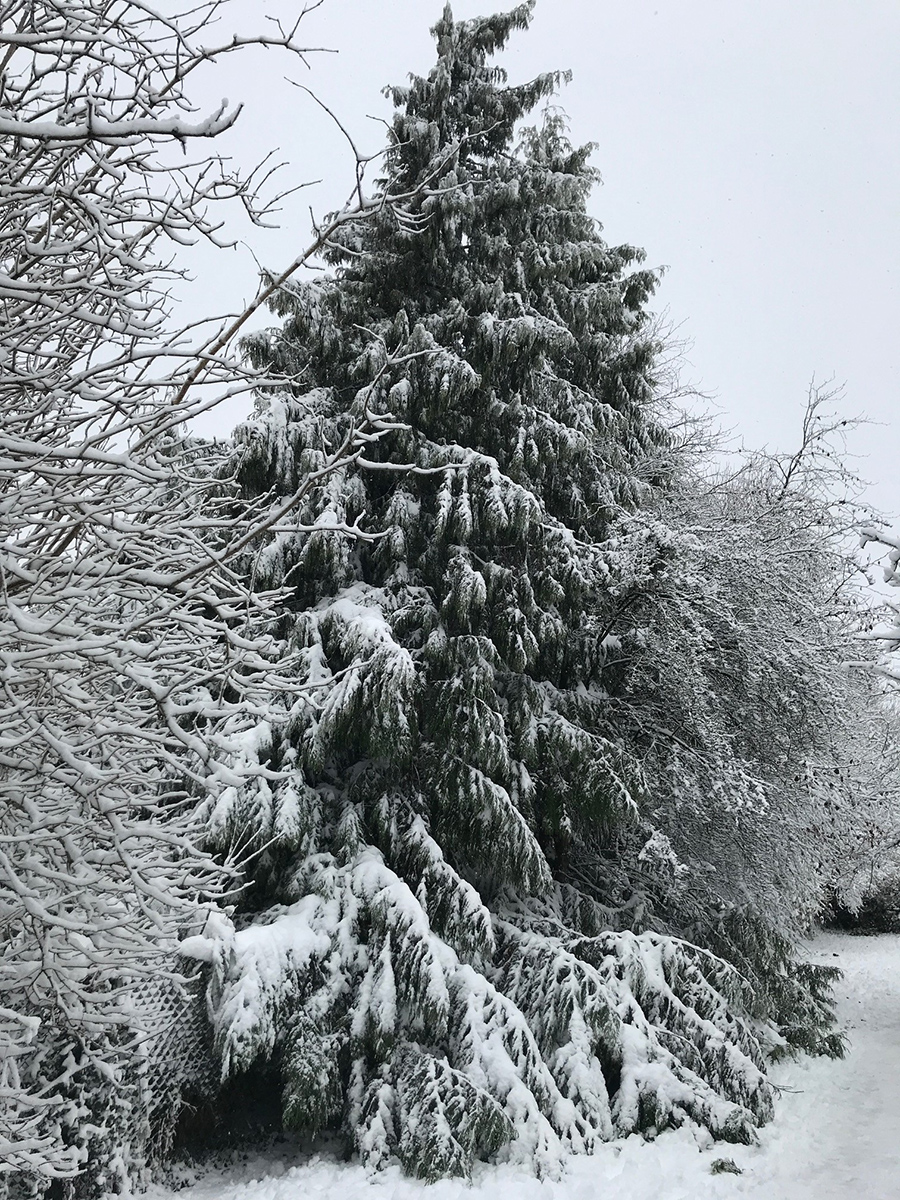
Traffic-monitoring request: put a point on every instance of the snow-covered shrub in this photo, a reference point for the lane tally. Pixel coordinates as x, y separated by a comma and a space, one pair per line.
766, 767
876, 911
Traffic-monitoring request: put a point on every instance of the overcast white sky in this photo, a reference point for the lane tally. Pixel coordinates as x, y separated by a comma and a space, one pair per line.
752, 148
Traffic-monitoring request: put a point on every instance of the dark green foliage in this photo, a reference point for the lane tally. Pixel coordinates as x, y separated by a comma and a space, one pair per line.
445, 1121
725, 1166
795, 996
313, 1084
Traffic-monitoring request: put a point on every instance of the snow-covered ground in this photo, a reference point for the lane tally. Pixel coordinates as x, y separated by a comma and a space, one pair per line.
836, 1134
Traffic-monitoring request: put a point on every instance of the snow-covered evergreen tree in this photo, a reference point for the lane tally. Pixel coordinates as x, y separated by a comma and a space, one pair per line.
415, 953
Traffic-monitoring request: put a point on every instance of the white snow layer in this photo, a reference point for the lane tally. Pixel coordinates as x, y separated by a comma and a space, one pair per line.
836, 1133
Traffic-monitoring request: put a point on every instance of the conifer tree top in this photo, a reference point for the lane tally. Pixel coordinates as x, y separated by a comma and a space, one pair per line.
462, 95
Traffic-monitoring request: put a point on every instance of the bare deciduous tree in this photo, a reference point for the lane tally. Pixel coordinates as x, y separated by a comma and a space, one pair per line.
134, 662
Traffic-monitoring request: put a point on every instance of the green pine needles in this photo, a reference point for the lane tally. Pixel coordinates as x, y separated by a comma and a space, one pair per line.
413, 950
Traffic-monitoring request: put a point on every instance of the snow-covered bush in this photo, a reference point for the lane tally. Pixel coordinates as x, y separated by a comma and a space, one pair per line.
861, 824
759, 742
865, 882
738, 685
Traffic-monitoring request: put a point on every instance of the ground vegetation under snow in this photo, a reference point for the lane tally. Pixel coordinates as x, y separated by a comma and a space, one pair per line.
834, 1135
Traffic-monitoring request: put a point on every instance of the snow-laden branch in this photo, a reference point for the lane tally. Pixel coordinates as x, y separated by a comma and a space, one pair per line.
872, 535
131, 131
137, 669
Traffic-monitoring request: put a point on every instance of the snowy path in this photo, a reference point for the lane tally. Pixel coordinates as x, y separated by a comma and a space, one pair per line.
836, 1135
